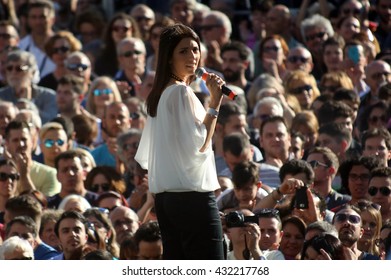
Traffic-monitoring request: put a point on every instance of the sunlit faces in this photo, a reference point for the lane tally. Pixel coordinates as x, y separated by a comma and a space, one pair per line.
67, 100
349, 28
236, 123
377, 118
116, 119
8, 36
358, 182
349, 231
72, 235
48, 235
333, 57
82, 69
369, 225
8, 186
40, 20
122, 28
270, 233
315, 37
321, 170
180, 11
211, 30
377, 146
61, 49
70, 174
19, 229
59, 141
272, 49
303, 90
264, 111
18, 73
103, 100
132, 57
185, 58
246, 194
7, 114
377, 72
100, 184
275, 140
19, 142
292, 241
377, 183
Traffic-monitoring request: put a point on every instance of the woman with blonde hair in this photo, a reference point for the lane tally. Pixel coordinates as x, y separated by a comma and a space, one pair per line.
301, 86
103, 91
307, 125
331, 81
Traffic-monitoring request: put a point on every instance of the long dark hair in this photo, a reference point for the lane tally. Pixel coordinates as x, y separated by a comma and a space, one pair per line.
169, 39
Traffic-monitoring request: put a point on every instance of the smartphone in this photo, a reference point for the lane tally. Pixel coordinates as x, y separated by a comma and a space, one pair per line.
301, 199
354, 54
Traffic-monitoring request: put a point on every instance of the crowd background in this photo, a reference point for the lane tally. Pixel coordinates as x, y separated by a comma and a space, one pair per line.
304, 149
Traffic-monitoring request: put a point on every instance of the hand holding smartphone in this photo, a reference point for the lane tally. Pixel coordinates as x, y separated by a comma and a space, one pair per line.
301, 199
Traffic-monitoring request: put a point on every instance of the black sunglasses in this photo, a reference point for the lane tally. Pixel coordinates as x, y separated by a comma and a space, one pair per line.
354, 219
62, 49
19, 68
362, 205
77, 66
131, 53
383, 190
375, 119
315, 164
105, 187
318, 35
5, 176
295, 59
5, 36
300, 90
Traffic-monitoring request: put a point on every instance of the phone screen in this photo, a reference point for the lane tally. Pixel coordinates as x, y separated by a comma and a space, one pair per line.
354, 54
301, 199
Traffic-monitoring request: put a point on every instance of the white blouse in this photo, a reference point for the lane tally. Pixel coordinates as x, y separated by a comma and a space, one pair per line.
170, 144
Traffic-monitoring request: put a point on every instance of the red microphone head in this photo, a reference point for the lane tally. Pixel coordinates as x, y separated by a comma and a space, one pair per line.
199, 72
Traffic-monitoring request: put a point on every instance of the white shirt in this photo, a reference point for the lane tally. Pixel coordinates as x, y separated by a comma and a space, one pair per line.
170, 144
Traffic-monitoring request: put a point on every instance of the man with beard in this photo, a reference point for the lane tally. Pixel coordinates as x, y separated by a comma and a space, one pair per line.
33, 175
235, 63
347, 221
72, 232
70, 174
116, 120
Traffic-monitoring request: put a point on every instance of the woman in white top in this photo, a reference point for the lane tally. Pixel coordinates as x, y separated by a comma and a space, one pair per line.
176, 149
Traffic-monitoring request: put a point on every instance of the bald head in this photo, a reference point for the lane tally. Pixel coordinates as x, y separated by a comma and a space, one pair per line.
377, 72
125, 222
278, 20
300, 58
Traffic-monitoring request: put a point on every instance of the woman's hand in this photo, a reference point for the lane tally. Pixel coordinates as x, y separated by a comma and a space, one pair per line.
214, 84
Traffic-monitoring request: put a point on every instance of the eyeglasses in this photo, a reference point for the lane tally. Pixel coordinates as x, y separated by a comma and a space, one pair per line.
362, 205
295, 59
105, 187
50, 143
209, 27
314, 164
120, 28
377, 76
62, 49
383, 190
271, 48
351, 11
375, 119
354, 219
127, 147
131, 53
361, 177
77, 66
319, 35
6, 36
5, 176
19, 68
329, 88
141, 18
105, 91
300, 90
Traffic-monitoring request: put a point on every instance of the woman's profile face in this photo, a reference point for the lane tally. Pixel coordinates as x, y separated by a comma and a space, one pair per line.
185, 58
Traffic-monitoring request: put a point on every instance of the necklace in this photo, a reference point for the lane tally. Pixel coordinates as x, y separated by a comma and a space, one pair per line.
176, 77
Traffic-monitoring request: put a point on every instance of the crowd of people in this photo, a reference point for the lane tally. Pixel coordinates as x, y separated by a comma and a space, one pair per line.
112, 149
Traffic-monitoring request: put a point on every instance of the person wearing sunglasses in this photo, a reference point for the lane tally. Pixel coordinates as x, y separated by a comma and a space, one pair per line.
21, 68
53, 141
299, 58
78, 64
131, 54
379, 190
348, 223
145, 18
103, 179
9, 177
58, 48
315, 31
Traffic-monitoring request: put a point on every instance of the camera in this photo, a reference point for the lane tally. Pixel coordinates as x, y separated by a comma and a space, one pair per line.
237, 219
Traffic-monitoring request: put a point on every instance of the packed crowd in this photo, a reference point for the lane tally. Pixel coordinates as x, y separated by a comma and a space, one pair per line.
302, 154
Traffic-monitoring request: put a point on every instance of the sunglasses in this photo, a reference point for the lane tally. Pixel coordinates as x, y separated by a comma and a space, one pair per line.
19, 68
50, 143
5, 36
5, 176
354, 219
141, 18
209, 27
362, 177
105, 91
383, 190
362, 205
295, 59
127, 147
315, 164
318, 35
131, 53
120, 28
300, 90
105, 187
377, 76
271, 48
375, 119
62, 49
77, 66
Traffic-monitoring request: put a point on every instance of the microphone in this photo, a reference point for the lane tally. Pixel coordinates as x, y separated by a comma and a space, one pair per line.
201, 73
